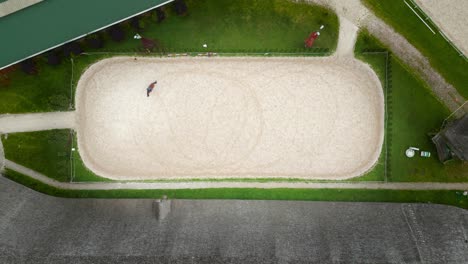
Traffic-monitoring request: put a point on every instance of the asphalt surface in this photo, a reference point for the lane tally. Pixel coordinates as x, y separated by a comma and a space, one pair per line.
35, 228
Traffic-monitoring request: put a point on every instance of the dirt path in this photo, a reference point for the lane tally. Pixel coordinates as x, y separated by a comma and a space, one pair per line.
346, 39
359, 15
34, 122
208, 185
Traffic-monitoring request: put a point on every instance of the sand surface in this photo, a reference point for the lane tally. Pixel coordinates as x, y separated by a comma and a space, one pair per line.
318, 118
451, 16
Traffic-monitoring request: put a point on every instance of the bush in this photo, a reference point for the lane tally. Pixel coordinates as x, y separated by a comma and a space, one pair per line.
53, 58
5, 78
116, 33
135, 23
94, 42
161, 15
72, 48
29, 67
180, 7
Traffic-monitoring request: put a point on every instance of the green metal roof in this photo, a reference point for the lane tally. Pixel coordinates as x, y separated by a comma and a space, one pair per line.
51, 23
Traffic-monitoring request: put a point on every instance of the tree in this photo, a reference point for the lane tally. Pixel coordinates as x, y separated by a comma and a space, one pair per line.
94, 41
53, 58
72, 48
161, 15
116, 33
29, 66
180, 7
135, 23
5, 78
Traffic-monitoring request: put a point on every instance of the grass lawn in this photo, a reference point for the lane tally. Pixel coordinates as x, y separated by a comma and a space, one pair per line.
49, 90
441, 55
47, 152
454, 197
413, 113
242, 25
225, 25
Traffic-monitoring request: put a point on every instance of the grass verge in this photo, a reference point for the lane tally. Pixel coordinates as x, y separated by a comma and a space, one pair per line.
47, 152
454, 197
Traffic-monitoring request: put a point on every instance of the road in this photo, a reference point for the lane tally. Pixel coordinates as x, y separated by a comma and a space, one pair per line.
36, 228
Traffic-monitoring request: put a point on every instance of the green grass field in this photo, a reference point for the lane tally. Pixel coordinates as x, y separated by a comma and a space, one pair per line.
243, 25
47, 152
47, 91
441, 55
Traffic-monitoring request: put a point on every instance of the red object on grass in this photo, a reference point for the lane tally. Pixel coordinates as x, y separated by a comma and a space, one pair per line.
147, 43
310, 40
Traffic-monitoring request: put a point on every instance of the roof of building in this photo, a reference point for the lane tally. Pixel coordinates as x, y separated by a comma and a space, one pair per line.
48, 24
454, 137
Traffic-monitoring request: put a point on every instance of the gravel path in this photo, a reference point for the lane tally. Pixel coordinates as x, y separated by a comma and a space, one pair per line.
261, 185
359, 15
346, 39
451, 16
34, 122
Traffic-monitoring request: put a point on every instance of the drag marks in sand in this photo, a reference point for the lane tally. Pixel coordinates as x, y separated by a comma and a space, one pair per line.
317, 118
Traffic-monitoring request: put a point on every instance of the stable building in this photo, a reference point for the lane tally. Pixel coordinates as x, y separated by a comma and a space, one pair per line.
452, 141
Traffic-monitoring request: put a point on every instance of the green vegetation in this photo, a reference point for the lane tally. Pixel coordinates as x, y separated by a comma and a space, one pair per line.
454, 197
47, 152
228, 26
413, 113
49, 90
225, 25
441, 55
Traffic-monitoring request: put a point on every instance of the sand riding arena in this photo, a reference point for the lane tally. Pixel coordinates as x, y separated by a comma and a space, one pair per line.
314, 118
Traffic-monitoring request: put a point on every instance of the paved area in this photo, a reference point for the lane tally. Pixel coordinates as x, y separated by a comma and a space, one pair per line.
36, 228
208, 184
10, 123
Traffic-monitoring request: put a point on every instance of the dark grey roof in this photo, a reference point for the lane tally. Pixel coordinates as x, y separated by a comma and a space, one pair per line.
457, 137
36, 228
442, 150
453, 138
